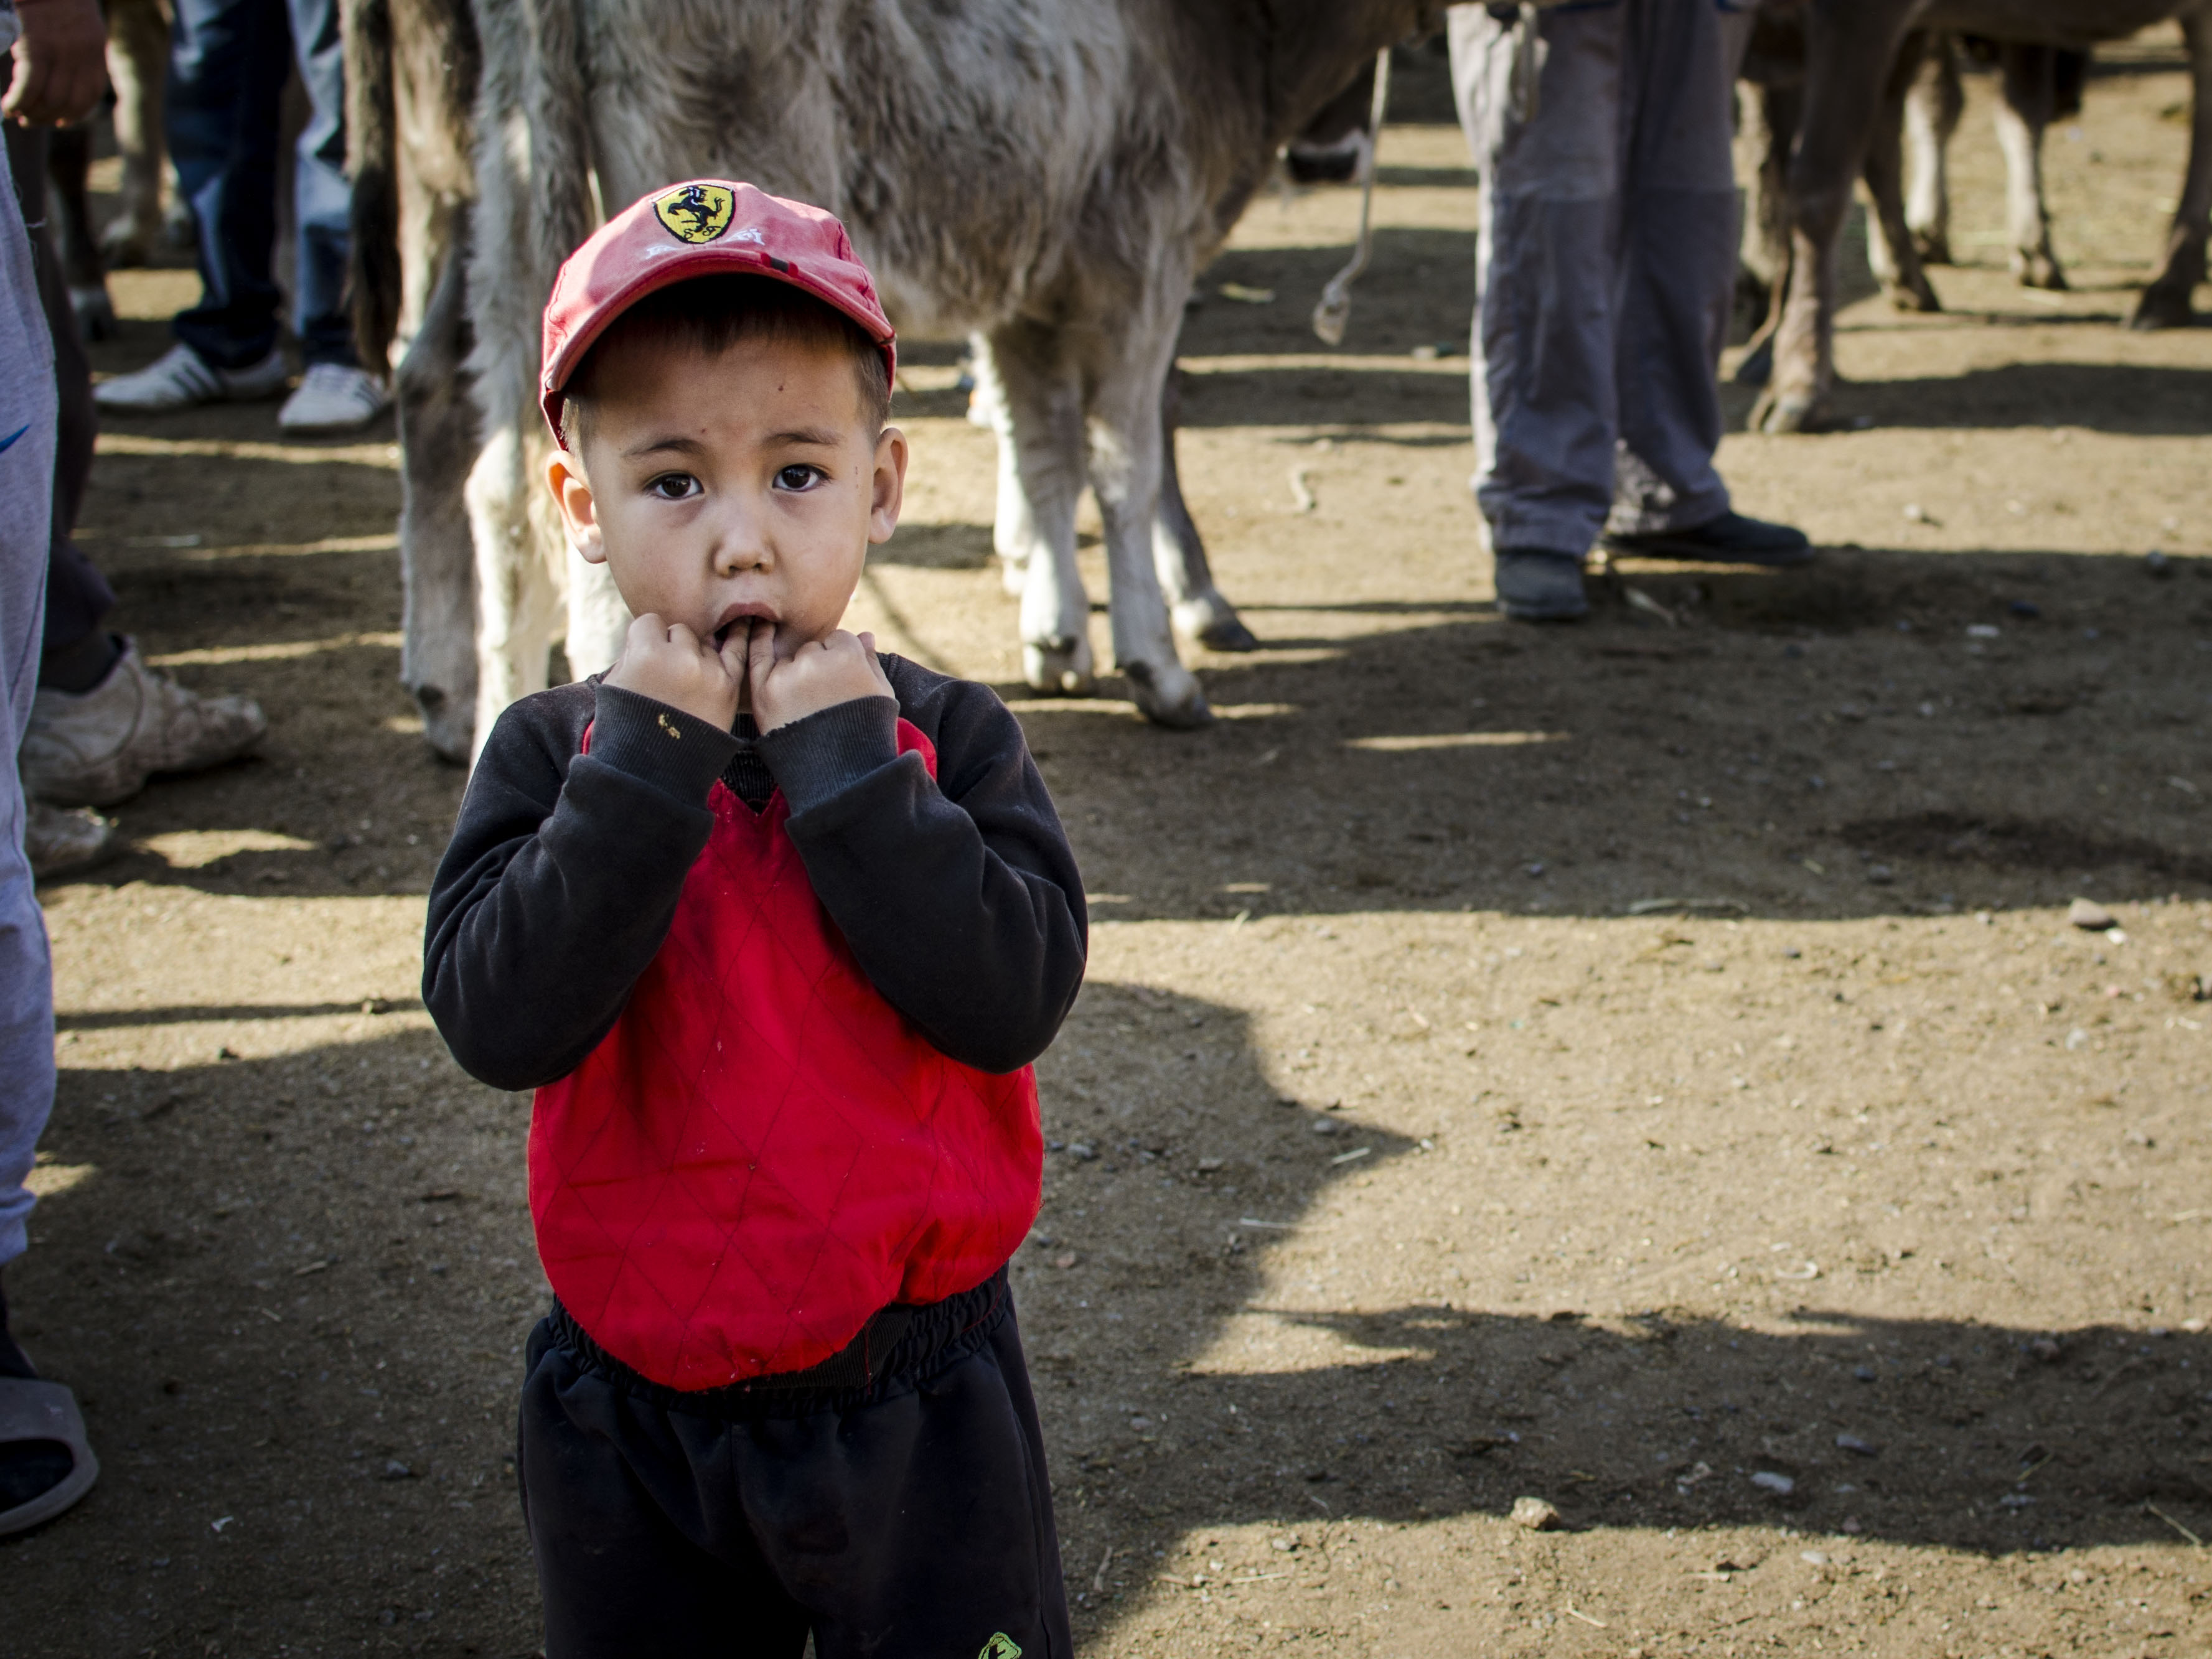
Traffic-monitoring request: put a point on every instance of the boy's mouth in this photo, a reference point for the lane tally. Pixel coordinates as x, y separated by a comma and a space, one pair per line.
737, 616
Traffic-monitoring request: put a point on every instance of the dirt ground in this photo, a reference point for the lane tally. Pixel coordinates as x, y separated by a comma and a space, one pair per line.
1644, 1066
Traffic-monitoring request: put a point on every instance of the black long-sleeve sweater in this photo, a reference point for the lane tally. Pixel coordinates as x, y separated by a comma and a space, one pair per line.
959, 897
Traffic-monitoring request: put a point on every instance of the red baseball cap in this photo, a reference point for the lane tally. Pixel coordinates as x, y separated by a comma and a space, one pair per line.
703, 227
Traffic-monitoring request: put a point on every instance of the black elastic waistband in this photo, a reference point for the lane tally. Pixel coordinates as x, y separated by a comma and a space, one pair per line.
899, 1342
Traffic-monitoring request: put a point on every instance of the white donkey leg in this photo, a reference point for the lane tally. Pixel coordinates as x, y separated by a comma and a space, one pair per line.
2022, 114
597, 618
1126, 470
437, 437
1043, 403
517, 599
1931, 116
1014, 525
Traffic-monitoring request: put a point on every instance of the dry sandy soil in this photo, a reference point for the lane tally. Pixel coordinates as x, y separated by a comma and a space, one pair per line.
1642, 1066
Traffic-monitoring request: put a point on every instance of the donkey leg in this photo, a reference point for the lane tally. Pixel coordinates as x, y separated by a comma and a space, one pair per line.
1199, 608
1932, 109
1043, 436
1127, 469
437, 440
2022, 115
2166, 302
1013, 525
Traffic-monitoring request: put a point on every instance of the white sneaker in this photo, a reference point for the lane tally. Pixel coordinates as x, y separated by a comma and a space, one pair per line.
98, 747
184, 379
333, 397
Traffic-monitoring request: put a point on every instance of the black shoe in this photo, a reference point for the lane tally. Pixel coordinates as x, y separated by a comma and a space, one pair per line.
1729, 539
1538, 584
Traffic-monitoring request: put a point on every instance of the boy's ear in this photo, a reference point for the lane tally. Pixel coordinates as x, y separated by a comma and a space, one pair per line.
571, 493
888, 487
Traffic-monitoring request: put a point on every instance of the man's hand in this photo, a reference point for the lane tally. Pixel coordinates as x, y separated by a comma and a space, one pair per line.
61, 63
670, 664
841, 668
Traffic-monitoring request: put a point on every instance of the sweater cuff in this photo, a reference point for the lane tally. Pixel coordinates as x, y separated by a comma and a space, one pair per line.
669, 748
826, 753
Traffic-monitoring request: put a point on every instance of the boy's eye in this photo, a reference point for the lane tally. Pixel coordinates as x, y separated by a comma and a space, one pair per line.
674, 487
798, 476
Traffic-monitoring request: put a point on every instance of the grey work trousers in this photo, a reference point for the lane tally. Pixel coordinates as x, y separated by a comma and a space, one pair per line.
27, 428
1605, 266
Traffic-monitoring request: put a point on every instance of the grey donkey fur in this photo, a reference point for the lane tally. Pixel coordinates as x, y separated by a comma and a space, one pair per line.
1851, 49
1045, 176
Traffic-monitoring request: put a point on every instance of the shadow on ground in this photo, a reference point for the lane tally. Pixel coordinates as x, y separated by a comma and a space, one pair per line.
1832, 742
290, 1292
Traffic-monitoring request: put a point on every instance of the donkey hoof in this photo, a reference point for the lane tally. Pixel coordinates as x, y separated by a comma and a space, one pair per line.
1170, 696
1757, 368
1061, 669
1791, 412
2163, 308
1229, 635
2041, 270
447, 726
1214, 624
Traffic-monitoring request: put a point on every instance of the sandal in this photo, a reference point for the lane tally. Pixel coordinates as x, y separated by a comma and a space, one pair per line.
32, 1410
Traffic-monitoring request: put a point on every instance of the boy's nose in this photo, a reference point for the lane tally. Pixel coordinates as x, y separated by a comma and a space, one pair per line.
739, 546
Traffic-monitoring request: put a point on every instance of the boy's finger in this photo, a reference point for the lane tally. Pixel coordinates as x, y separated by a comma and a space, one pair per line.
733, 651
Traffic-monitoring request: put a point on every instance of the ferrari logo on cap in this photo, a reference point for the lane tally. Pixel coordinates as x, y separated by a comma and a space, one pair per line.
695, 213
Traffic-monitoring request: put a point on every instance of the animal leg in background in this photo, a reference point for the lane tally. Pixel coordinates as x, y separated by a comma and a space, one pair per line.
1848, 48
1039, 421
1200, 611
2023, 114
518, 599
437, 440
2166, 302
1932, 109
68, 214
137, 65
1891, 251
1014, 535
1127, 466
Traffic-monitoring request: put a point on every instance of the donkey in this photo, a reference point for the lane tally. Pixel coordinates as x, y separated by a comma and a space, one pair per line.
1047, 176
1852, 50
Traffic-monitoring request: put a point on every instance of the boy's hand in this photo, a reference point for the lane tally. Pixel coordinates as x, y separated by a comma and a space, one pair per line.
670, 664
841, 668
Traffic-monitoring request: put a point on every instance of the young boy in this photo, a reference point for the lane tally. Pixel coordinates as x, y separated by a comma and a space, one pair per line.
775, 926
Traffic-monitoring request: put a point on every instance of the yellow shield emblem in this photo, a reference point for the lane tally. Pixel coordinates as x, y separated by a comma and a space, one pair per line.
695, 213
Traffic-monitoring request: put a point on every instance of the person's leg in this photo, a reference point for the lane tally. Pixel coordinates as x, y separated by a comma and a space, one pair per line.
322, 195
29, 1468
1540, 116
26, 466
336, 394
103, 721
1677, 284
640, 1544
920, 1523
227, 64
76, 652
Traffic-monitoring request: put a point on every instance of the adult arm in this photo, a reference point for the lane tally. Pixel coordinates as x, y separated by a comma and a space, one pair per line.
61, 63
561, 877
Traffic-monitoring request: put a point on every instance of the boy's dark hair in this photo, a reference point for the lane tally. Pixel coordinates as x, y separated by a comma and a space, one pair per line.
712, 313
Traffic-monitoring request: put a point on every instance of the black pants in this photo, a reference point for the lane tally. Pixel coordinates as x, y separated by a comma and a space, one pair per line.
910, 1514
78, 598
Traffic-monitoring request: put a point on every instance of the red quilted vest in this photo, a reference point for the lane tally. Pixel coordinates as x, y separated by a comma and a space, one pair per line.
763, 1151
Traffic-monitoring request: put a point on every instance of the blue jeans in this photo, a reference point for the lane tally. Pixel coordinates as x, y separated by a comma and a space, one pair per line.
27, 496
228, 60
